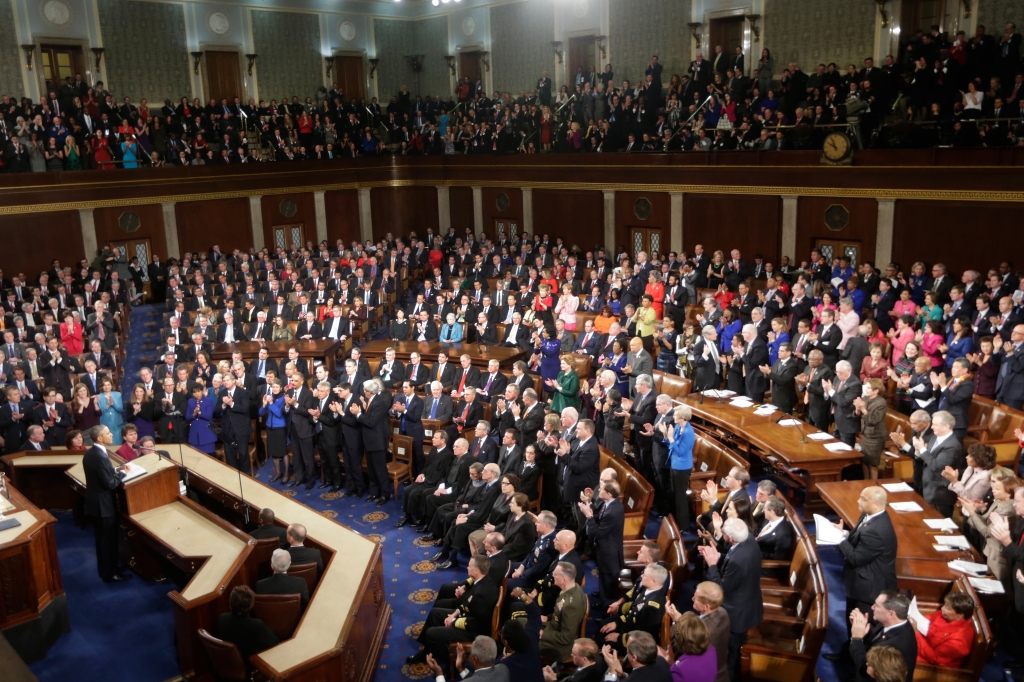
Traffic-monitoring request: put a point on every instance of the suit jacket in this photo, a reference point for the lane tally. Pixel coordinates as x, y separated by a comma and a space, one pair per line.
498, 384
935, 489
707, 370
778, 544
235, 421
869, 558
644, 364
605, 527
301, 421
842, 400
250, 635
901, 637
445, 375
472, 378
488, 452
522, 338
520, 536
587, 346
271, 531
476, 608
282, 583
529, 423
755, 356
957, 401
783, 378
375, 422
307, 555
445, 408
828, 343
718, 624
739, 573
582, 470
1010, 382
101, 480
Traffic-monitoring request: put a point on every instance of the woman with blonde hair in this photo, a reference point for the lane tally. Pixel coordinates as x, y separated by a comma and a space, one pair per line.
566, 307
872, 410
886, 664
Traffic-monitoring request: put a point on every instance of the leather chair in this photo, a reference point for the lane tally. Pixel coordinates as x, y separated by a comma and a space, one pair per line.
225, 658
307, 572
281, 612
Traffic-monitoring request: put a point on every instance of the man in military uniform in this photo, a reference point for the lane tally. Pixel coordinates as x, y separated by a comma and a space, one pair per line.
545, 587
645, 614
563, 627
649, 553
535, 565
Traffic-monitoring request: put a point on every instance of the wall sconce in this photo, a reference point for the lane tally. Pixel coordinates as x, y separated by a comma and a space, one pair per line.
97, 53
252, 63
600, 45
373, 66
967, 9
556, 45
694, 25
29, 51
451, 62
885, 15
485, 61
752, 18
329, 61
196, 57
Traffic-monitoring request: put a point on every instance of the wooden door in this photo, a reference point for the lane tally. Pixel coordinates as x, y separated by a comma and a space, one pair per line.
834, 248
134, 248
286, 235
223, 75
647, 239
728, 33
922, 15
581, 54
348, 74
510, 226
469, 66
60, 62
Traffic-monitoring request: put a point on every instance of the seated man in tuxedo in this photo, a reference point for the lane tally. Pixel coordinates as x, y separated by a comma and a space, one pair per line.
280, 582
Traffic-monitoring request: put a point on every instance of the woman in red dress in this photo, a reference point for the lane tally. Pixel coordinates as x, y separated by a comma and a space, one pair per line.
71, 334
656, 290
101, 152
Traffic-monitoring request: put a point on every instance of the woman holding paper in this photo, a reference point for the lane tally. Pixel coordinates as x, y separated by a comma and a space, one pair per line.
871, 407
978, 518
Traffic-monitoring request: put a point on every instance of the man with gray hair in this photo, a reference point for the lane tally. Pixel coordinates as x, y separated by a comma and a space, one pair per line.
765, 491
921, 427
754, 356
644, 615
739, 573
775, 538
372, 416
482, 654
841, 392
280, 582
563, 627
944, 451
707, 368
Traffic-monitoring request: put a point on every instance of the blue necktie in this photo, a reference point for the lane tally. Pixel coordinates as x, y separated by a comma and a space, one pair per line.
402, 423
433, 410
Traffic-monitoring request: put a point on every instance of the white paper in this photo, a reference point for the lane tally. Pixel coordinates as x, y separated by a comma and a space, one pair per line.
898, 487
986, 585
943, 548
958, 541
906, 506
919, 388
763, 411
825, 532
838, 446
820, 435
836, 281
789, 422
924, 403
741, 402
917, 617
719, 393
941, 524
892, 454
134, 471
971, 567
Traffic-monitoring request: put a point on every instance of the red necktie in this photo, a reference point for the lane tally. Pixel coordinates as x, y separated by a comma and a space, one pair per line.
462, 384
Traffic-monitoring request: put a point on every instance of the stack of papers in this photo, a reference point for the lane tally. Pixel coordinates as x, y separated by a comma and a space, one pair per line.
765, 410
820, 435
970, 567
838, 446
958, 541
918, 618
986, 585
741, 402
941, 524
719, 393
906, 506
134, 471
825, 533
897, 487
789, 422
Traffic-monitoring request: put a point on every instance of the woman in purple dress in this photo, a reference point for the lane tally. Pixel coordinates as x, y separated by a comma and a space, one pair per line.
199, 414
549, 348
698, 660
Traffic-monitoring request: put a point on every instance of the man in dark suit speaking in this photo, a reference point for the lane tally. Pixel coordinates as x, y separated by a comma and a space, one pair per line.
101, 480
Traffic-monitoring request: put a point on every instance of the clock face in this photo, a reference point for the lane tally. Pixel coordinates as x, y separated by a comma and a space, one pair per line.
219, 23
837, 145
56, 12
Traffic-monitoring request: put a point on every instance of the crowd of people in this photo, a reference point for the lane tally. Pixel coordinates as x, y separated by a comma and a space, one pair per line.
942, 89
825, 338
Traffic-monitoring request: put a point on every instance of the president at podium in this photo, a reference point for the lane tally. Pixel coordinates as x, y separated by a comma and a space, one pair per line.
101, 480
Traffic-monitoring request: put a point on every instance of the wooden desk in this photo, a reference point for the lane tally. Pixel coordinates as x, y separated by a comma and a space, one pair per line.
39, 475
506, 357
804, 464
326, 349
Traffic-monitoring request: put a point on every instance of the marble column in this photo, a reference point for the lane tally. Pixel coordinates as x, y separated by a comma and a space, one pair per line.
256, 222
320, 206
527, 225
609, 220
365, 215
444, 209
789, 208
676, 221
883, 235
170, 232
478, 210
88, 222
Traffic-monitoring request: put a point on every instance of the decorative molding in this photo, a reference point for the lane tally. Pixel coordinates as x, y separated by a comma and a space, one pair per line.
196, 59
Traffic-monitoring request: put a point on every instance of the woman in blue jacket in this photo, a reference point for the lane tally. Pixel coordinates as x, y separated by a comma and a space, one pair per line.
199, 413
451, 331
728, 327
959, 342
680, 439
277, 430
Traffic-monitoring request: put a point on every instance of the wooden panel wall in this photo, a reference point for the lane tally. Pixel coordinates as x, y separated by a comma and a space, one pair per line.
810, 225
963, 235
490, 206
576, 216
625, 217
151, 227
342, 216
31, 242
221, 221
752, 224
460, 201
400, 210
305, 214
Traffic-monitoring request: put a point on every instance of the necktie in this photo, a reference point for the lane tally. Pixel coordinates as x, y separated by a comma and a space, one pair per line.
433, 409
102, 334
14, 408
476, 448
487, 388
462, 384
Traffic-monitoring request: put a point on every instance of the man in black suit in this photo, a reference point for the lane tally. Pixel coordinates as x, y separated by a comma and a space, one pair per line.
755, 356
491, 384
351, 440
372, 415
516, 334
13, 420
783, 377
101, 480
945, 451
269, 529
644, 615
296, 536
810, 382
841, 392
443, 371
828, 338
280, 582
706, 363
301, 404
436, 467
869, 556
529, 417
776, 536
408, 409
260, 329
956, 394
606, 530
231, 330
466, 415
738, 571
890, 627
466, 375
170, 413
327, 426
52, 417
236, 427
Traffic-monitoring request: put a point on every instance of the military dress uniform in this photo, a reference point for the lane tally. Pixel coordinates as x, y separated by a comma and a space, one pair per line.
563, 627
643, 613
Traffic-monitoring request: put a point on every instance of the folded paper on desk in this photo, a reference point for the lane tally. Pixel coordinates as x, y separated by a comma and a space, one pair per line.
970, 567
906, 506
943, 548
765, 410
958, 541
898, 487
891, 454
825, 533
821, 435
719, 393
741, 402
838, 446
134, 471
941, 524
789, 422
987, 585
918, 618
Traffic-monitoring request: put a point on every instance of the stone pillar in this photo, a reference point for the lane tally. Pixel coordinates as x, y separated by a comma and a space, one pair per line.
320, 207
256, 222
789, 208
444, 209
527, 210
478, 210
676, 222
365, 215
88, 222
883, 236
609, 221
170, 232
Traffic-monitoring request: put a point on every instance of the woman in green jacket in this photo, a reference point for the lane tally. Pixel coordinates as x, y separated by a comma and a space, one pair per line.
565, 387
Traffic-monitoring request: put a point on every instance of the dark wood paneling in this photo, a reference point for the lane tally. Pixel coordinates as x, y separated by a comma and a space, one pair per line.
576, 217
31, 242
305, 214
460, 201
201, 224
342, 216
751, 224
490, 206
400, 210
625, 216
151, 226
810, 225
960, 234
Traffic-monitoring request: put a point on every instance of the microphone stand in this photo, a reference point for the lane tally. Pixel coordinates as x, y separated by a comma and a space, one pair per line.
796, 423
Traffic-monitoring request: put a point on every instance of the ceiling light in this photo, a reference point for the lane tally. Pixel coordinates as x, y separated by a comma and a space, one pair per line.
435, 3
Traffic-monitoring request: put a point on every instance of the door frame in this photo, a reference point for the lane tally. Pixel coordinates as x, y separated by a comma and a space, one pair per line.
509, 232
568, 70
369, 84
88, 73
749, 58
204, 79
288, 241
842, 243
129, 241
485, 71
647, 230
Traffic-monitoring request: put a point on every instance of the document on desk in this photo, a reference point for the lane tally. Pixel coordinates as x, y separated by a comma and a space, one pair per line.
898, 487
906, 506
918, 618
987, 585
825, 533
765, 410
719, 393
838, 446
789, 422
741, 402
969, 567
134, 471
820, 435
958, 541
941, 524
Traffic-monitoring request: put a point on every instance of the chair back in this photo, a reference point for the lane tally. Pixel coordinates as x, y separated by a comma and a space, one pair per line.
225, 658
496, 619
401, 450
307, 572
281, 612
